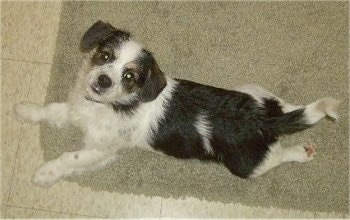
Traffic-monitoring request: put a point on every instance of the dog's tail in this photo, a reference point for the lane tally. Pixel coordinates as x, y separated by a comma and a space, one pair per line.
305, 117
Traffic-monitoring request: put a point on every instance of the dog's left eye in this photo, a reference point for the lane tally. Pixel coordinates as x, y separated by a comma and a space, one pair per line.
129, 75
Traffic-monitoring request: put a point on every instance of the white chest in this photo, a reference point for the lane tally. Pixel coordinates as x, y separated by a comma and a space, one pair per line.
105, 128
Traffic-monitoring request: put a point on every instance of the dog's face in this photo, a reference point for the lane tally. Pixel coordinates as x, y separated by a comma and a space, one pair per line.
118, 69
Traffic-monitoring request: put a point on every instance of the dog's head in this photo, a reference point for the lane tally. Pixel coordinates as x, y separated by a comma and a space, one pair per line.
117, 68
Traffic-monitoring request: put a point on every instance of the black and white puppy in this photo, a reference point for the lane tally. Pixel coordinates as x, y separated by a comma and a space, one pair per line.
122, 99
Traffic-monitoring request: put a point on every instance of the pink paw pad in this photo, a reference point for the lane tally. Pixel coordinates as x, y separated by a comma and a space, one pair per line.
310, 149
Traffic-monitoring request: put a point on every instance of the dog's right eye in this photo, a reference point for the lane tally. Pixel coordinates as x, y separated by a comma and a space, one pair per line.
105, 56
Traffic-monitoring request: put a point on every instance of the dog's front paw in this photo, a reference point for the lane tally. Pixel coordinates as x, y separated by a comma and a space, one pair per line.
28, 112
47, 175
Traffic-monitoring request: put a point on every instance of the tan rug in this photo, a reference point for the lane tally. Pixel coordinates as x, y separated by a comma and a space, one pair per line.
297, 50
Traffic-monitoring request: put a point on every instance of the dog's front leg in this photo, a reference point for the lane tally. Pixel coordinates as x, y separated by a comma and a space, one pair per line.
67, 163
56, 114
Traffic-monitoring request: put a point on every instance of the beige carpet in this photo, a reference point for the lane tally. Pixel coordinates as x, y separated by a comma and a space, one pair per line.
297, 50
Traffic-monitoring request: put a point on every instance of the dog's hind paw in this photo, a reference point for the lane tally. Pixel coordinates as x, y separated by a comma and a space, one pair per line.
305, 153
329, 106
28, 112
310, 150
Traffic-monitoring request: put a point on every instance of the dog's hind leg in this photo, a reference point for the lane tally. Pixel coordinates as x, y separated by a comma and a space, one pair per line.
313, 112
55, 113
277, 155
69, 163
320, 109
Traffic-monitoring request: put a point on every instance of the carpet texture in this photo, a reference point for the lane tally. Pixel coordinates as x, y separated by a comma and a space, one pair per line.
297, 50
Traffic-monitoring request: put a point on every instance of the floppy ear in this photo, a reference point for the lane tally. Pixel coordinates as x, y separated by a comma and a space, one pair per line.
99, 32
154, 84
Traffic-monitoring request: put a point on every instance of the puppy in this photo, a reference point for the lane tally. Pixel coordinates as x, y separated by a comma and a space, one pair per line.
122, 99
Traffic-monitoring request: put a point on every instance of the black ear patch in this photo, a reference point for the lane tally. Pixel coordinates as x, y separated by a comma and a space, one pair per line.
154, 83
99, 32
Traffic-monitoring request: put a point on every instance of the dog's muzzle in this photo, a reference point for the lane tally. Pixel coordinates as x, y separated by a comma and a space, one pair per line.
103, 82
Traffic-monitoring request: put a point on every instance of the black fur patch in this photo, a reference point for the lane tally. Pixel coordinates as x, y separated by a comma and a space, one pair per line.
288, 123
149, 80
154, 78
239, 138
272, 107
99, 57
102, 33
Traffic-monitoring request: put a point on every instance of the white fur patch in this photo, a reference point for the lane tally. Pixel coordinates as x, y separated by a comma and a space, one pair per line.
320, 108
272, 159
312, 114
257, 92
204, 129
297, 153
128, 52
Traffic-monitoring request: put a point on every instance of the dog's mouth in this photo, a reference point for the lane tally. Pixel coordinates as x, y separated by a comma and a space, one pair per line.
116, 106
92, 100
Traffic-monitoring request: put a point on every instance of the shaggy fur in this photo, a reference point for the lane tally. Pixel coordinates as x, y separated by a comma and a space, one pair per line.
122, 99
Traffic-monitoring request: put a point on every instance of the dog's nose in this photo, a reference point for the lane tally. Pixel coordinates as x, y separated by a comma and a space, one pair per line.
96, 88
104, 81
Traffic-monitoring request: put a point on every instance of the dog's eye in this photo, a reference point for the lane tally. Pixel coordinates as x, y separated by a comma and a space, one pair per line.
129, 75
105, 56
